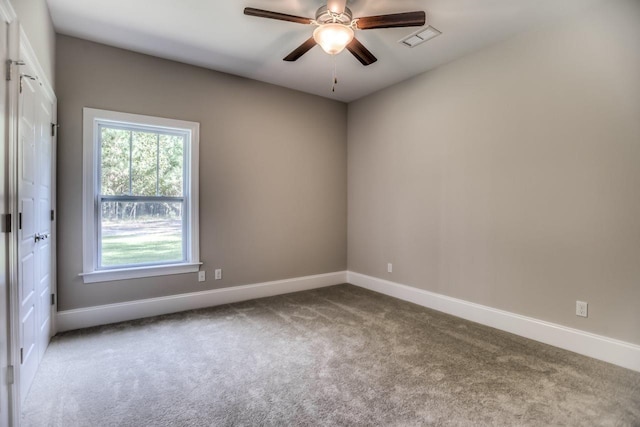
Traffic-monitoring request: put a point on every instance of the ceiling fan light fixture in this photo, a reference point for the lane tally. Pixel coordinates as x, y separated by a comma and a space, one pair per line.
333, 37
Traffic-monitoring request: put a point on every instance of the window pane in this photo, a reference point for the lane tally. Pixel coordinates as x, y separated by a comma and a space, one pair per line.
171, 163
114, 161
141, 233
144, 160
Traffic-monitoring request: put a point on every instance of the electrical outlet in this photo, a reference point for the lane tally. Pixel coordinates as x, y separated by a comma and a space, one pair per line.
581, 308
389, 268
202, 276
218, 274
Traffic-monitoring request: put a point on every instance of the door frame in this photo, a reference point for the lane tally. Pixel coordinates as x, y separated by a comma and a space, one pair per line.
9, 145
6, 389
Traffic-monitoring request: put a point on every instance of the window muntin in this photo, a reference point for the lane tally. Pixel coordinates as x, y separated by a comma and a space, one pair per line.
141, 196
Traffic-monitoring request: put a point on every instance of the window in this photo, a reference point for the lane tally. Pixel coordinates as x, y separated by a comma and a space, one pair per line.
140, 196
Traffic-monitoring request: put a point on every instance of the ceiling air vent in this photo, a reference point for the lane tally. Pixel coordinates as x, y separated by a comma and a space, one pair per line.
420, 37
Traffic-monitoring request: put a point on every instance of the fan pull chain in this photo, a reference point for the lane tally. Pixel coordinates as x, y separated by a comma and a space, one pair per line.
335, 74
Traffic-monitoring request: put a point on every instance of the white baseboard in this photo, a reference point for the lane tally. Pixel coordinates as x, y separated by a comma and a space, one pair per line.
599, 347
112, 313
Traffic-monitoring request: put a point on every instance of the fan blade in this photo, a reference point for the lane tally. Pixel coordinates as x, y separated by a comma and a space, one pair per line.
300, 50
406, 19
361, 53
337, 6
275, 15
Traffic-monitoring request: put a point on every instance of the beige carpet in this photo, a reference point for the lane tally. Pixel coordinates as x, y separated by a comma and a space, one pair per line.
334, 356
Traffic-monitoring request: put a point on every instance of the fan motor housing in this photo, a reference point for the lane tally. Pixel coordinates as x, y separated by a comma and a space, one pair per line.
325, 16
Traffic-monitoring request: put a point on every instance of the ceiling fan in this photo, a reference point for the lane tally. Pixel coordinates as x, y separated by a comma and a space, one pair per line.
336, 25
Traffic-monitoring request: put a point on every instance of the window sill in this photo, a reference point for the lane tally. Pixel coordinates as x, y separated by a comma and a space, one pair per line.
138, 272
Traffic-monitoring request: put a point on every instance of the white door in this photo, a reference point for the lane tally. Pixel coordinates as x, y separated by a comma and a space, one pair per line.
34, 225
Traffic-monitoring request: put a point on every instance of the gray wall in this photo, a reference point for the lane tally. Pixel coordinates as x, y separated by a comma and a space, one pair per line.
511, 177
36, 22
272, 173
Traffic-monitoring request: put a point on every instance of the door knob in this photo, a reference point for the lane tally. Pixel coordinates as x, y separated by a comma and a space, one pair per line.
39, 236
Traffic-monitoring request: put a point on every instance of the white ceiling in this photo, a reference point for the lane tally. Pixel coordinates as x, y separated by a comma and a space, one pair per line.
217, 35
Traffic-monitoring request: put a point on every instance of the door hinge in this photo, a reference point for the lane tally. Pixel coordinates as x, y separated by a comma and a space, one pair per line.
20, 221
53, 299
8, 62
21, 355
6, 223
10, 375
53, 215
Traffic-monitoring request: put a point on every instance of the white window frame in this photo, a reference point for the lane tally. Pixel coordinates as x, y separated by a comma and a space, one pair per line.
92, 118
